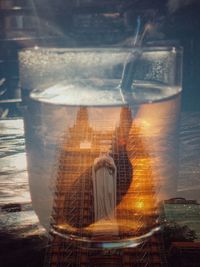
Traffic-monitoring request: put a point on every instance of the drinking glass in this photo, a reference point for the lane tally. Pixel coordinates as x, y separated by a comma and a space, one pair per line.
101, 157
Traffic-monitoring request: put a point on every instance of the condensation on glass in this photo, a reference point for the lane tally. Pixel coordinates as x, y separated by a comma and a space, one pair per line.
98, 167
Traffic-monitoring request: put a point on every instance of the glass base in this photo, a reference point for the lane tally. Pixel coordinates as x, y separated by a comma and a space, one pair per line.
89, 243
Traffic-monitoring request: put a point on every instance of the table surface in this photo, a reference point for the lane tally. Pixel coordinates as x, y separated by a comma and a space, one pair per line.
22, 227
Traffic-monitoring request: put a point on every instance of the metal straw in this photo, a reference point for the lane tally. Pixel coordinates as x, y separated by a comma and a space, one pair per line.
131, 63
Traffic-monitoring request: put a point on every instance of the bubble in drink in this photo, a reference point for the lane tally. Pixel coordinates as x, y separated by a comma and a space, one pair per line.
99, 167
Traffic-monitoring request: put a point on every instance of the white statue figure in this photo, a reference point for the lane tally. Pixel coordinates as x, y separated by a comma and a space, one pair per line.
104, 187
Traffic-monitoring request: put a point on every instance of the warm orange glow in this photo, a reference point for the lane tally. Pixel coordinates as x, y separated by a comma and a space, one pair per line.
74, 207
139, 205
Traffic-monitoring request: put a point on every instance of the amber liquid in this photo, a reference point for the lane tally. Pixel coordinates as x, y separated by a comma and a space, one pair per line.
69, 189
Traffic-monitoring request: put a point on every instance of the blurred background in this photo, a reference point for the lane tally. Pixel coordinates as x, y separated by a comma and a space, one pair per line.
78, 23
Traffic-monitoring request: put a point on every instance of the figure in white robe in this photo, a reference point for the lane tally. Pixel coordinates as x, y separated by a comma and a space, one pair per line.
104, 175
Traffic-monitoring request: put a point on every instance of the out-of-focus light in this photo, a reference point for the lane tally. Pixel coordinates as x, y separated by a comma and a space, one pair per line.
145, 124
142, 123
173, 50
16, 8
140, 205
85, 145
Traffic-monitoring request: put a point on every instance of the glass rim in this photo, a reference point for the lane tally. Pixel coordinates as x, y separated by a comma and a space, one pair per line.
156, 48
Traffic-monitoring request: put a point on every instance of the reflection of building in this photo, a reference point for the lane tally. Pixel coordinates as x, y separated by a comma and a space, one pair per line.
74, 175
74, 195
74, 205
